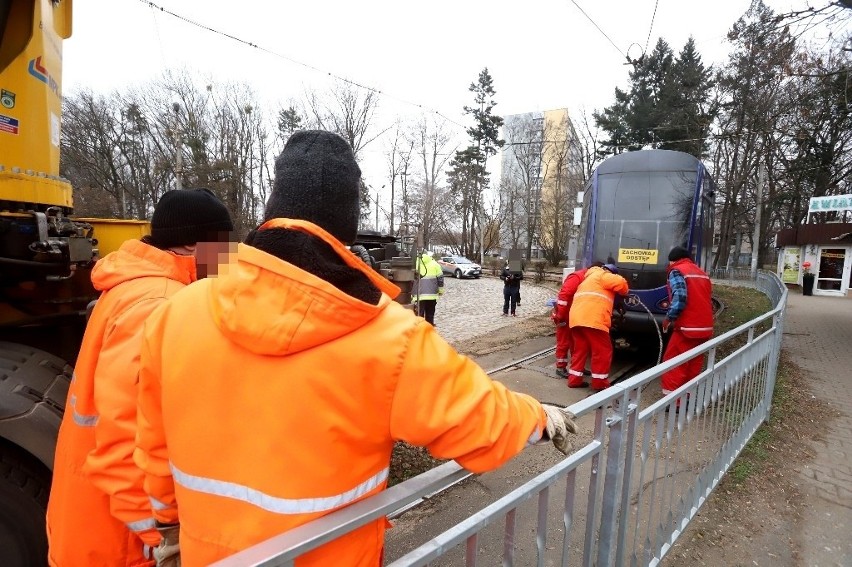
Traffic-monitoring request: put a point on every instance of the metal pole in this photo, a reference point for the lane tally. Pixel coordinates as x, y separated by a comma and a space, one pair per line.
377, 211
761, 176
482, 237
178, 152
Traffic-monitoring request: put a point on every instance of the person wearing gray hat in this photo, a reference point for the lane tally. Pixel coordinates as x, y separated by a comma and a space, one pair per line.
310, 373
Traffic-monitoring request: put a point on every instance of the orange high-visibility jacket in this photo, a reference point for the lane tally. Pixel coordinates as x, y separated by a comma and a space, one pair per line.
98, 514
268, 398
593, 301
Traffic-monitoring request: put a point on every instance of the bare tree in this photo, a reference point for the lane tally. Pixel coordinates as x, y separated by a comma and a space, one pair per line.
397, 161
430, 140
750, 85
349, 111
526, 152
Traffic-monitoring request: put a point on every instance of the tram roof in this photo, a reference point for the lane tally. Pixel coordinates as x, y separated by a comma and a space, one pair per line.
649, 160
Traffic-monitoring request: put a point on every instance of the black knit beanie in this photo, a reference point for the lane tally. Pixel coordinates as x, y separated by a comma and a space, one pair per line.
678, 253
317, 179
184, 217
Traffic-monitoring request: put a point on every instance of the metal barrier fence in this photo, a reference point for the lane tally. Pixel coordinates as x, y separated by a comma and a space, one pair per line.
623, 497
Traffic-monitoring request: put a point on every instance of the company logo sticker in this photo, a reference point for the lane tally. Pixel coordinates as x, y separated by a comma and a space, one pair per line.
39, 71
7, 98
8, 124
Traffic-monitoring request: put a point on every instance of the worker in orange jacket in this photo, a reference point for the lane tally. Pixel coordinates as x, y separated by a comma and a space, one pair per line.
590, 320
98, 514
561, 310
300, 376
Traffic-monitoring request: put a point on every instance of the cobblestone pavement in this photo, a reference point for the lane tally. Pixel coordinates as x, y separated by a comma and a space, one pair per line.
471, 308
818, 333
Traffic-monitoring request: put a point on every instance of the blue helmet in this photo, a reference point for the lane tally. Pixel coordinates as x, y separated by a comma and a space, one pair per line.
611, 268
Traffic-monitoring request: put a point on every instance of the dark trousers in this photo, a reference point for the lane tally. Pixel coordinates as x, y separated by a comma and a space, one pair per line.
510, 299
426, 309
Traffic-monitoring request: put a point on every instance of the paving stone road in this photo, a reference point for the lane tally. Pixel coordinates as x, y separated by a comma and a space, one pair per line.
471, 308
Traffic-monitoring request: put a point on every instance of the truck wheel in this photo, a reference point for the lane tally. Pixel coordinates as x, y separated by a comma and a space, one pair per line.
24, 486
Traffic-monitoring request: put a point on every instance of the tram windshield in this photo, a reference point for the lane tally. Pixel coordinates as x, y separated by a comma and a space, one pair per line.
642, 215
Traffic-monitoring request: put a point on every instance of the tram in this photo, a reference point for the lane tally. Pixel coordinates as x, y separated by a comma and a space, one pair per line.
637, 206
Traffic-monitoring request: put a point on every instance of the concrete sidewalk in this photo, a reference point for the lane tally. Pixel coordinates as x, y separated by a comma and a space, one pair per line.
818, 336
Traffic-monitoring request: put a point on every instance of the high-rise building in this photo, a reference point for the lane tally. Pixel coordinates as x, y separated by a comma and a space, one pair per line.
541, 174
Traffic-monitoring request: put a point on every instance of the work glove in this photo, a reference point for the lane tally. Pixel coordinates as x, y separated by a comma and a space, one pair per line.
167, 553
559, 424
666, 324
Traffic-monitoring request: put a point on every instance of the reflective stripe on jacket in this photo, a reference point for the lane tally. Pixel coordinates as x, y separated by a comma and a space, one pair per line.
98, 513
592, 306
696, 319
286, 403
431, 283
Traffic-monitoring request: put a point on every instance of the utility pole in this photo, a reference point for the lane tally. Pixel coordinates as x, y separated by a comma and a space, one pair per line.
178, 152
377, 211
402, 177
481, 235
755, 252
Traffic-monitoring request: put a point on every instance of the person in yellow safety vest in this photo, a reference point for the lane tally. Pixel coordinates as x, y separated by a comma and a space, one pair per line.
272, 395
430, 286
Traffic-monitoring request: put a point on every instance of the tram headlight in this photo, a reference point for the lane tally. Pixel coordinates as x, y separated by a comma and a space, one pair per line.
663, 304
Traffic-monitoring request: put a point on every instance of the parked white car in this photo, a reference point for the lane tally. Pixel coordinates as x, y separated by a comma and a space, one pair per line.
459, 267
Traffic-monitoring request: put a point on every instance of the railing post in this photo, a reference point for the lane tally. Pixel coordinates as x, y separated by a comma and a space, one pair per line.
615, 476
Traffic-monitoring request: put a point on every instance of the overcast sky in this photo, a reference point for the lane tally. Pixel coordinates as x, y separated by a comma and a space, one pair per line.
542, 54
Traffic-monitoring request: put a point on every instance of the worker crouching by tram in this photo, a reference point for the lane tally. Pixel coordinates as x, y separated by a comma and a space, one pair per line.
429, 287
590, 319
689, 317
560, 314
273, 395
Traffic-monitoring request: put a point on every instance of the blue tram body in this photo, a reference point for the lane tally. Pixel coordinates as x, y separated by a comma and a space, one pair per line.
636, 207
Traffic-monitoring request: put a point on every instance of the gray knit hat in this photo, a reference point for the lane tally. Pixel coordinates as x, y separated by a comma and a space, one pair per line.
317, 179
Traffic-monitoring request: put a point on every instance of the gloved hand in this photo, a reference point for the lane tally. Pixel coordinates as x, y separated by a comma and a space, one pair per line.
666, 324
167, 553
559, 424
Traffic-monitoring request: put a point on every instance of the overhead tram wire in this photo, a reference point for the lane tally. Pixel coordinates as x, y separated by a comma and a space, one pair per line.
653, 17
602, 32
205, 27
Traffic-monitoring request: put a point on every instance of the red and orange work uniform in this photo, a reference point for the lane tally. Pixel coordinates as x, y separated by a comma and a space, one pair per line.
590, 320
560, 317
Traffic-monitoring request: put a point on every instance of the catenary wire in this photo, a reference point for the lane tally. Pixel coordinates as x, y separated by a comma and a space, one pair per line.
247, 43
600, 30
653, 17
